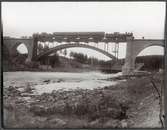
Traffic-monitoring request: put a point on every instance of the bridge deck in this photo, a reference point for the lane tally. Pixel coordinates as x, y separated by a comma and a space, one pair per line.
86, 40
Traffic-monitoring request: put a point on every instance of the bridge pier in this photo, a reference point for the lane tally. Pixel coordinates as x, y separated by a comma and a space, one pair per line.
129, 66
34, 48
32, 54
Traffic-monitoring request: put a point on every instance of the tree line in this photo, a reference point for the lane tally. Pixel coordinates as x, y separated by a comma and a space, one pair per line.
84, 59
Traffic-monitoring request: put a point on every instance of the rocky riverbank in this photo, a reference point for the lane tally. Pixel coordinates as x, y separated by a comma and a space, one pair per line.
133, 103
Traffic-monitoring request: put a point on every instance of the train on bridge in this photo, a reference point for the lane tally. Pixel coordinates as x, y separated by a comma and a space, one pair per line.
83, 37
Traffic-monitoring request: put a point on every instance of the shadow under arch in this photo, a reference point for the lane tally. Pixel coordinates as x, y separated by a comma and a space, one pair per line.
150, 58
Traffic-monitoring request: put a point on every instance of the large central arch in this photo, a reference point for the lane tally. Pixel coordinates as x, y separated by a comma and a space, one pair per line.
64, 46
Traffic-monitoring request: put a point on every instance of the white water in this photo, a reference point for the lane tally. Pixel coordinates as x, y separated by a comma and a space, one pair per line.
58, 80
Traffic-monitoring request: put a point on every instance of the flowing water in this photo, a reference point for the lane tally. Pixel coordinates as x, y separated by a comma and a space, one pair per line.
49, 81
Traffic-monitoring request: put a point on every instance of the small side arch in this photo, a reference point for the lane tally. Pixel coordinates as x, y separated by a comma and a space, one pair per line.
147, 46
22, 48
14, 49
155, 59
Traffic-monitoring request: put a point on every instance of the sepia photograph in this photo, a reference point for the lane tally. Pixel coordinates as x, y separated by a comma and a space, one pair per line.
83, 64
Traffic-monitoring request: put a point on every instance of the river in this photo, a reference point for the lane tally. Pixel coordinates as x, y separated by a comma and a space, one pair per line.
46, 82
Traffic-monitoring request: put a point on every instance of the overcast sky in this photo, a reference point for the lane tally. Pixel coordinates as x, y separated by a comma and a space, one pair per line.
142, 18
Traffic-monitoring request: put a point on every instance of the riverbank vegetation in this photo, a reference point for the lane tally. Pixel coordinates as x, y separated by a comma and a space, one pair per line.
77, 62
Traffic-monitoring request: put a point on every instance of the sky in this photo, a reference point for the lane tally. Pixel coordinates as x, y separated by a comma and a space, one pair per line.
143, 19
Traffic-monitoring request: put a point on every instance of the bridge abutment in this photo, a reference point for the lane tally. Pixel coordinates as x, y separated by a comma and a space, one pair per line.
12, 44
134, 47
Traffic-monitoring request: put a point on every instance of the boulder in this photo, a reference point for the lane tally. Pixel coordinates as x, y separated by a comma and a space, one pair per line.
112, 124
58, 122
95, 124
124, 124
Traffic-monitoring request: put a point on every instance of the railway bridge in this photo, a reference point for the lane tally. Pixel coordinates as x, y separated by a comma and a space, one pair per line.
83, 39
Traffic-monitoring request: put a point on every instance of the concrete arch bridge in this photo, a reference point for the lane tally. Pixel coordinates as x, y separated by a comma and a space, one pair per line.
73, 39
